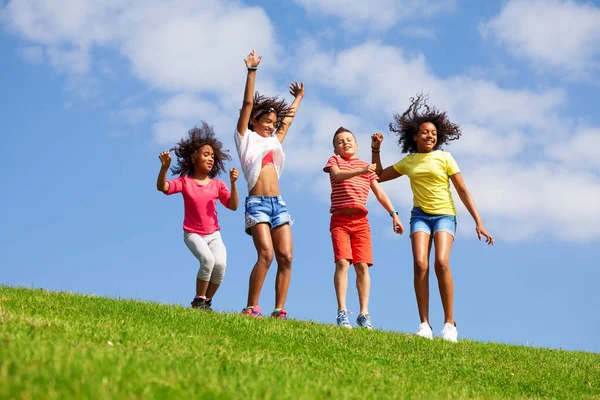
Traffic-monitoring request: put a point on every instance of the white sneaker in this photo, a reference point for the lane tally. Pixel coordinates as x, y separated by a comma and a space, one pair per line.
425, 331
450, 333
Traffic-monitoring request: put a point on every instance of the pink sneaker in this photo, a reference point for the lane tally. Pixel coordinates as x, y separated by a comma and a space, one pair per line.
281, 314
253, 312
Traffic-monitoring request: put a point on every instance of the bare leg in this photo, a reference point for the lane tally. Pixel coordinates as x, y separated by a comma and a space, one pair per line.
421, 247
261, 234
282, 243
363, 286
443, 245
211, 290
340, 282
201, 287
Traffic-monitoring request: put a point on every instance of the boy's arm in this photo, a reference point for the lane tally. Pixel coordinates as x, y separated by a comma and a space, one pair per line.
296, 90
234, 200
339, 175
251, 63
384, 174
465, 197
384, 200
165, 161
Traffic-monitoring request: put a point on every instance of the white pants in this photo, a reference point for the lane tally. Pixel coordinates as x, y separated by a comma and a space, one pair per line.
211, 252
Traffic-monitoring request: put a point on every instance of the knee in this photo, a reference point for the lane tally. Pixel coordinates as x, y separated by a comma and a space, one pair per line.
361, 269
284, 259
421, 267
265, 257
442, 266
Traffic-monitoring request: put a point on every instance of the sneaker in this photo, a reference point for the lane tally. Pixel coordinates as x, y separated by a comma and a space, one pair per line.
425, 331
450, 333
253, 312
342, 319
208, 305
199, 303
364, 321
281, 314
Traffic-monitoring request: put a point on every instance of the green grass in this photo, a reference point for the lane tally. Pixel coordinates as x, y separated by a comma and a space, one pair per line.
60, 345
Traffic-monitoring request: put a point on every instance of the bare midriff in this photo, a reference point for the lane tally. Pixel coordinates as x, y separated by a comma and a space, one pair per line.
348, 211
267, 183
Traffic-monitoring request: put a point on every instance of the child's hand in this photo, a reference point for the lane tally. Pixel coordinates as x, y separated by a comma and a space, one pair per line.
252, 61
480, 229
165, 159
369, 168
233, 174
297, 90
398, 228
376, 140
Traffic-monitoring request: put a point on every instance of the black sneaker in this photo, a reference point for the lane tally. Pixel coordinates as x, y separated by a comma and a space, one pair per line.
199, 302
208, 305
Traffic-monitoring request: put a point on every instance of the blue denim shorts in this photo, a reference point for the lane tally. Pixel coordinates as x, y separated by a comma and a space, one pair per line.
269, 209
420, 221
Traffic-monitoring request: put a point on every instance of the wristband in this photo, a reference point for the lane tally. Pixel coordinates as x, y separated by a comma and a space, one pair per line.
252, 68
374, 150
393, 212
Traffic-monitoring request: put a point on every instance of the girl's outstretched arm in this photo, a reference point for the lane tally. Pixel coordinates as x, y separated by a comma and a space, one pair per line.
384, 200
384, 174
234, 200
465, 197
296, 90
165, 162
251, 63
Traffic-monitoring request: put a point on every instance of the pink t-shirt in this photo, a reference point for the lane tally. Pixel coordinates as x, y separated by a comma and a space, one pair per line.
200, 203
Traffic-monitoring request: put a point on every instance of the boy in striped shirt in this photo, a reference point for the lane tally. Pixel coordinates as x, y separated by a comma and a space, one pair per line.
351, 179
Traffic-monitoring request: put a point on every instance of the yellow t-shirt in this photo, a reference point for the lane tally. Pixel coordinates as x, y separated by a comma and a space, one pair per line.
429, 180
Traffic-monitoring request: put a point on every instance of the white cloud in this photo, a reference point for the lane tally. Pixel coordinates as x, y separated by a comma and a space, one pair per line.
579, 151
549, 33
376, 14
76, 61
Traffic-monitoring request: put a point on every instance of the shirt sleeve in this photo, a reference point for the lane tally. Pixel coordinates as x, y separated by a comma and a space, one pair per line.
224, 193
451, 165
400, 167
333, 161
175, 186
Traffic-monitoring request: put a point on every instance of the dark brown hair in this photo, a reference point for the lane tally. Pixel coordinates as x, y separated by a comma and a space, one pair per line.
341, 129
407, 125
263, 104
196, 138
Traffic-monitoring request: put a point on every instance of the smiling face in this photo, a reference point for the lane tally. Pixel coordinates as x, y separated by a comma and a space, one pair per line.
264, 125
344, 144
426, 138
204, 159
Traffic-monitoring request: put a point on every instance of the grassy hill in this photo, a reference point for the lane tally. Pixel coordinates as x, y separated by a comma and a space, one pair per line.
60, 345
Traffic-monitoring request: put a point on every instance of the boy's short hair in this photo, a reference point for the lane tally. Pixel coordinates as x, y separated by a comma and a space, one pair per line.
341, 129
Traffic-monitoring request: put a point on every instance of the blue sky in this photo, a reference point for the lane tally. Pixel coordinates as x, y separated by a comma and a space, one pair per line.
94, 90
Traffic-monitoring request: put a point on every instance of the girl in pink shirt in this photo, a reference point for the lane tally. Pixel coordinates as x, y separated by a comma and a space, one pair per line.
200, 158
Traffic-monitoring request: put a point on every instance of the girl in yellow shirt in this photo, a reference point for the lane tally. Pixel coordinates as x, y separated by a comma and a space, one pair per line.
421, 131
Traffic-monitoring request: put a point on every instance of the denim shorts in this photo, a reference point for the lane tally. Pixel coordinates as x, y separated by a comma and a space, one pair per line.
420, 221
269, 209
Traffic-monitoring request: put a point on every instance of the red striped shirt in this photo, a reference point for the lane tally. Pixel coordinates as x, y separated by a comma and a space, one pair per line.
353, 192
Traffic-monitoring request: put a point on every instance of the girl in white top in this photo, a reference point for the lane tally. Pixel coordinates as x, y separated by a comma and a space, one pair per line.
261, 128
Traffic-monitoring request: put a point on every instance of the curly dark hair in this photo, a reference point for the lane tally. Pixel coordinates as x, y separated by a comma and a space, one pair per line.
263, 104
187, 147
407, 125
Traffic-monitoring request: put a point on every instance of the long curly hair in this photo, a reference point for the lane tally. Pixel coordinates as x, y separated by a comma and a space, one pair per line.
407, 125
187, 147
263, 104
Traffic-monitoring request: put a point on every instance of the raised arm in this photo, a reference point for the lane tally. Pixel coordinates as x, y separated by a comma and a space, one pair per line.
165, 162
465, 197
296, 90
251, 64
385, 201
338, 175
384, 174
234, 199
